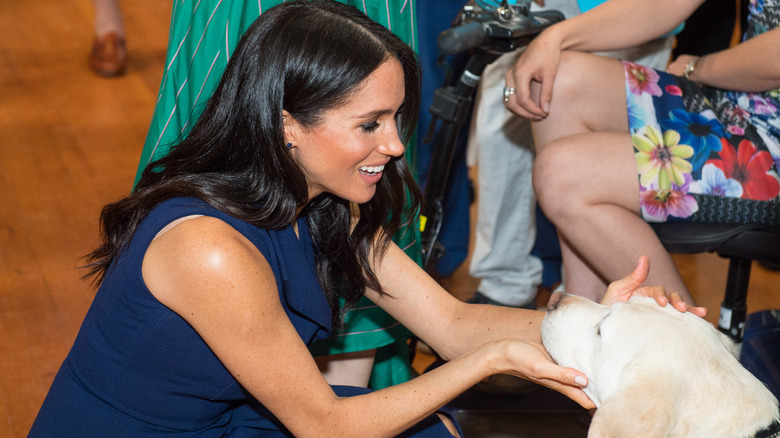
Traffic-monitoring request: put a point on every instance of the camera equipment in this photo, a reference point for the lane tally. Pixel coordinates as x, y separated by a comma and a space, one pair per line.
499, 29
487, 29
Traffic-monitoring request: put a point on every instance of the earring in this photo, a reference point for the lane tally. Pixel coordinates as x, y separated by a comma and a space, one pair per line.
289, 145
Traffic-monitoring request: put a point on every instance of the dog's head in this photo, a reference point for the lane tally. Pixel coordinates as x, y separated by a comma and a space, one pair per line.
603, 340
653, 365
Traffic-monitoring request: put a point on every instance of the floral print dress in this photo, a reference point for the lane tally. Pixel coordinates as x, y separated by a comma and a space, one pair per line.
705, 154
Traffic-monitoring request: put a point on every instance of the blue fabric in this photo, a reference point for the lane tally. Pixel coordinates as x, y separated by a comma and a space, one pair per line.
548, 248
434, 18
138, 369
251, 421
761, 347
137, 366
586, 5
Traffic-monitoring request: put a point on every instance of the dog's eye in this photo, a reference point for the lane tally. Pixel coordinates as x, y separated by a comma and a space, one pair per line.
598, 325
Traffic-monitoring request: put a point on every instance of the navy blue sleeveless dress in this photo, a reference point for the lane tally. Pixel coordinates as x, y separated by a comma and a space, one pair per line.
137, 369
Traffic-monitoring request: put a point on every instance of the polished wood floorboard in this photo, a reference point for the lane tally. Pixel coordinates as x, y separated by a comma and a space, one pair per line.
70, 143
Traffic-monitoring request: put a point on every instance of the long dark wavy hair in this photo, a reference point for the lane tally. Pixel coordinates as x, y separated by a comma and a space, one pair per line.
305, 57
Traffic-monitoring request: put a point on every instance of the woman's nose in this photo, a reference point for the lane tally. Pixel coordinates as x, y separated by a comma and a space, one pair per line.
392, 146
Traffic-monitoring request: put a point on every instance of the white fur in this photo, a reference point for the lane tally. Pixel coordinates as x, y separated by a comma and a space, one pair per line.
656, 372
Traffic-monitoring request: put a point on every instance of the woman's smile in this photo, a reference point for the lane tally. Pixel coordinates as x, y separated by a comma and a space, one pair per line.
346, 152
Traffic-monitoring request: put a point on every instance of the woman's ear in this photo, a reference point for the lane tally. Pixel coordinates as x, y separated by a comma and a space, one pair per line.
291, 129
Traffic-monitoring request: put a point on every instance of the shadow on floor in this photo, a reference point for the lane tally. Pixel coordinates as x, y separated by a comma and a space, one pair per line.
530, 412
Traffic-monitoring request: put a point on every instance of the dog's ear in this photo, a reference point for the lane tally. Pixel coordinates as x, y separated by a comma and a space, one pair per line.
645, 408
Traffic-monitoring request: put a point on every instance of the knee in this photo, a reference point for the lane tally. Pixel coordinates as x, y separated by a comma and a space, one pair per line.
581, 100
569, 78
555, 178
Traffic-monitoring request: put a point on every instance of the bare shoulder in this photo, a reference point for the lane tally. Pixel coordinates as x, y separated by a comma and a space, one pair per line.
200, 256
219, 282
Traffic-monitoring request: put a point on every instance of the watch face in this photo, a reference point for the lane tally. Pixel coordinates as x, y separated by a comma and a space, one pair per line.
689, 68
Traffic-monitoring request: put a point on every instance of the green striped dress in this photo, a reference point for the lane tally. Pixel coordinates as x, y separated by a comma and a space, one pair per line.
202, 37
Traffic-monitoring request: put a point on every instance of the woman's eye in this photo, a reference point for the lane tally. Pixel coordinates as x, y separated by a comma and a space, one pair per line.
370, 127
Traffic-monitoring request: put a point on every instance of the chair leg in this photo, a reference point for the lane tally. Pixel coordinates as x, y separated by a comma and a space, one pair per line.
733, 310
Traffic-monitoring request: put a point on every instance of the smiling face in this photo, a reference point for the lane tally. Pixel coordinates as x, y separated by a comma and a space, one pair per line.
346, 152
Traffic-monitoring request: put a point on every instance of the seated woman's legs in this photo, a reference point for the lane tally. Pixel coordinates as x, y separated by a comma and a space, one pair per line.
585, 177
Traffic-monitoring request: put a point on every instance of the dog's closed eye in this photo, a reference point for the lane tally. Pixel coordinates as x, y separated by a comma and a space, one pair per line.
598, 325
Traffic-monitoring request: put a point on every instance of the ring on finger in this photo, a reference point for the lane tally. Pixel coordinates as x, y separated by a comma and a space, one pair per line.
508, 91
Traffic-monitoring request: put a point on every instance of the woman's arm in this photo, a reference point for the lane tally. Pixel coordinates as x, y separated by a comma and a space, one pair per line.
751, 66
213, 277
448, 325
452, 327
455, 329
615, 24
620, 24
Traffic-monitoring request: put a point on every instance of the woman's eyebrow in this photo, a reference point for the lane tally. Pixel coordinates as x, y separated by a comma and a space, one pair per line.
375, 113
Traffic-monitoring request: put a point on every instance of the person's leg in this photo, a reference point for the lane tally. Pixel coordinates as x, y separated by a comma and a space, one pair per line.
586, 180
588, 96
108, 55
505, 226
588, 283
347, 369
502, 145
653, 54
108, 18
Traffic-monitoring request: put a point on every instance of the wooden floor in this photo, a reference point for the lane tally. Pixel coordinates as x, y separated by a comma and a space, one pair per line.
69, 143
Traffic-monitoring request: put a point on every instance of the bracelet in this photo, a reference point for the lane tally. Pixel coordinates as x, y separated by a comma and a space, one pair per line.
690, 67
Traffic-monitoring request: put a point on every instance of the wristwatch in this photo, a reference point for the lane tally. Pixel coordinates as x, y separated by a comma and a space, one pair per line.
690, 67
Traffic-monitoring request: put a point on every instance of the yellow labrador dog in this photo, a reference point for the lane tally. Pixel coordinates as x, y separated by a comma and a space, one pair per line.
656, 372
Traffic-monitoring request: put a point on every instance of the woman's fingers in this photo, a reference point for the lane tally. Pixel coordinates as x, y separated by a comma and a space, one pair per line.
532, 77
631, 285
623, 289
517, 97
542, 370
678, 303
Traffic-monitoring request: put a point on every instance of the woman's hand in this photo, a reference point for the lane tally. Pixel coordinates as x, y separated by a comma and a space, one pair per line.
631, 285
531, 361
532, 77
677, 67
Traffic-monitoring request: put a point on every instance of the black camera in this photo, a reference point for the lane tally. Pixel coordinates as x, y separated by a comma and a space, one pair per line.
498, 29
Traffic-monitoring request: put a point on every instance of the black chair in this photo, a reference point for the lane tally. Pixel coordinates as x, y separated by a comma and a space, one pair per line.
741, 244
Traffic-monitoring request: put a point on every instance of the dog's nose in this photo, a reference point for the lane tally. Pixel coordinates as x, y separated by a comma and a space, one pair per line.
555, 300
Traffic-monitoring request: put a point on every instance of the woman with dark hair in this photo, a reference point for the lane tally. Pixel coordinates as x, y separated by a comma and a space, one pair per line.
371, 348
231, 255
